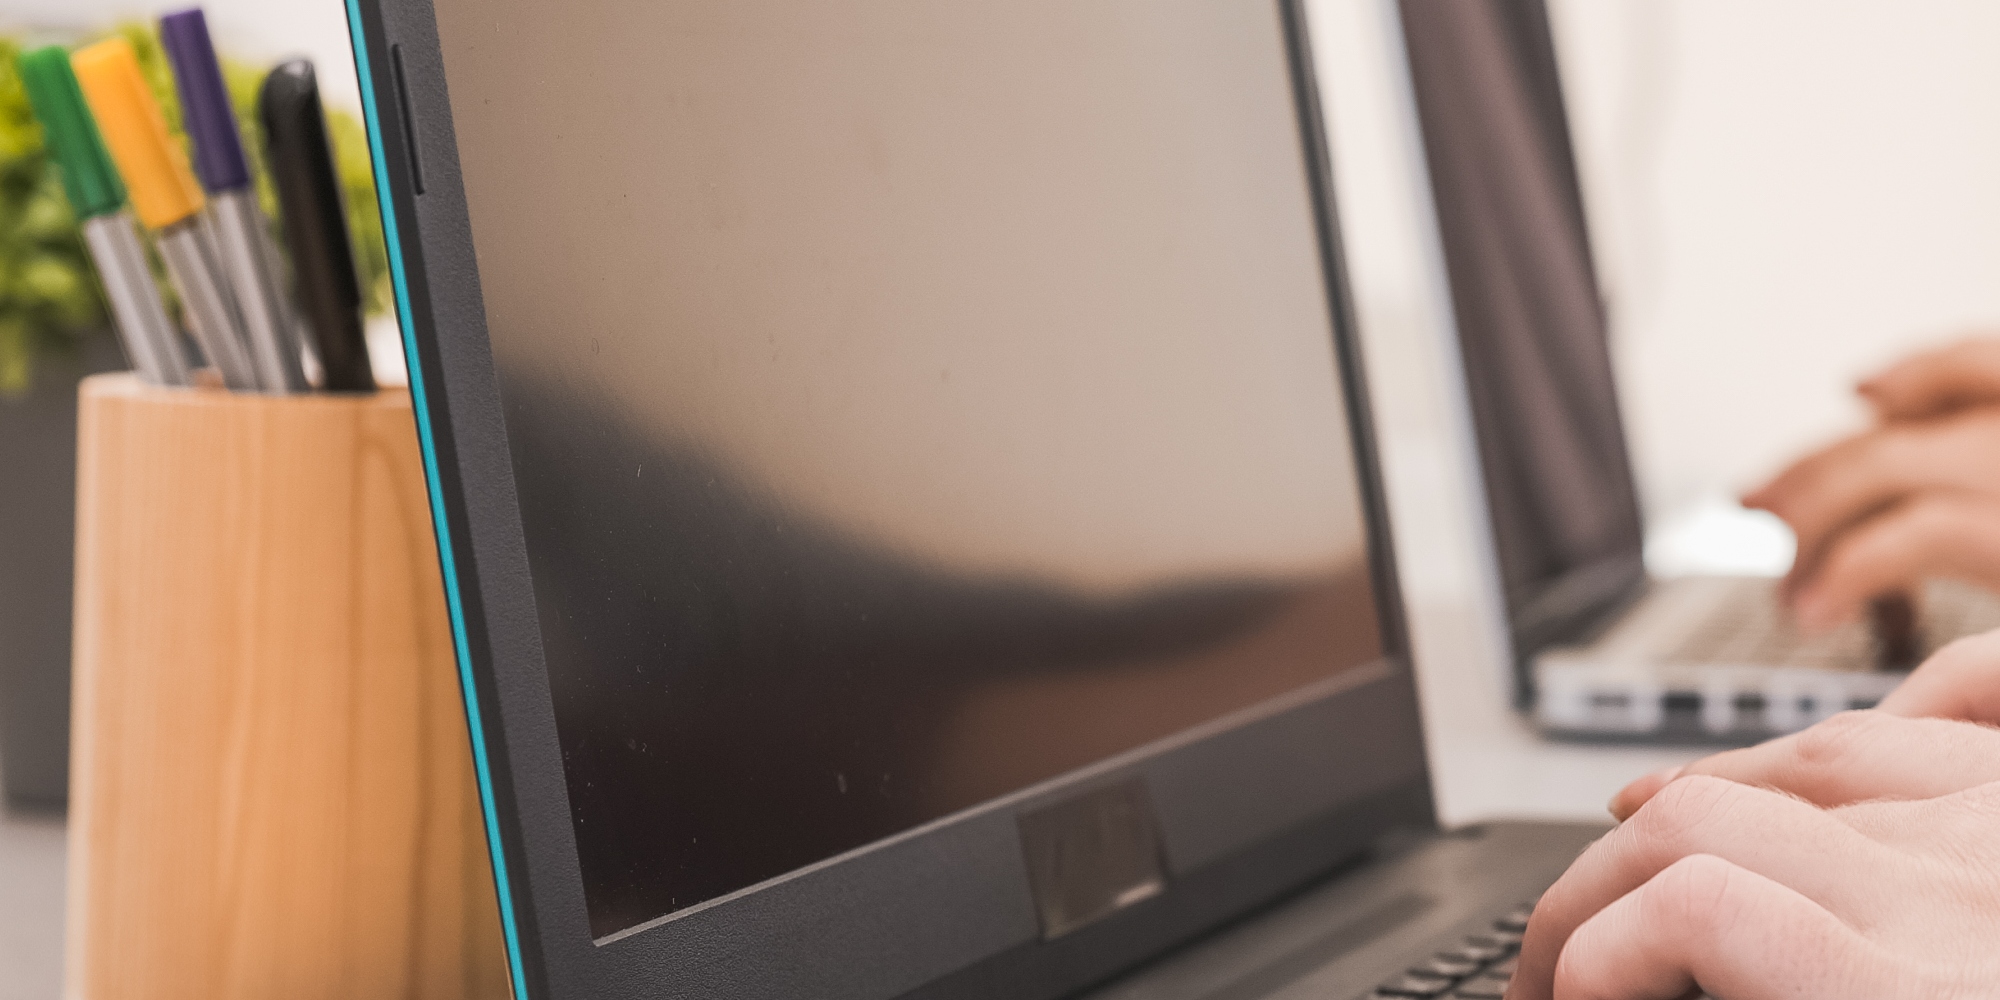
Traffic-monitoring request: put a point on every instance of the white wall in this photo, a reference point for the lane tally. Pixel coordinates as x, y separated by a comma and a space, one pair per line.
1786, 193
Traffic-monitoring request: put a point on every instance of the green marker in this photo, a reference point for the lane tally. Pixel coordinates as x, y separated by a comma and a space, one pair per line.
98, 198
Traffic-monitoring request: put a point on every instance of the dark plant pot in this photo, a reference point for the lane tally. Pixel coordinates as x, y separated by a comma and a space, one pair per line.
37, 525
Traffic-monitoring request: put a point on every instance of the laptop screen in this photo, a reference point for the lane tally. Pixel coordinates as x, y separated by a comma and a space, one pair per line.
909, 403
1565, 513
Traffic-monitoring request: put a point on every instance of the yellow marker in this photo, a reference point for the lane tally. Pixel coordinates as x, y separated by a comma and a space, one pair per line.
167, 199
155, 168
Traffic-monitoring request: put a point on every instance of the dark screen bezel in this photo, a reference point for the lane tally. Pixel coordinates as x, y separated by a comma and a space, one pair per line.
469, 466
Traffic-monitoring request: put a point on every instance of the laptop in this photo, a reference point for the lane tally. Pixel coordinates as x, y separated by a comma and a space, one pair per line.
1603, 649
905, 490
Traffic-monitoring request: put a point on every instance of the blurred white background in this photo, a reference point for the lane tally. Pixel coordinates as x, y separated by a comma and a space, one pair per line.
1786, 194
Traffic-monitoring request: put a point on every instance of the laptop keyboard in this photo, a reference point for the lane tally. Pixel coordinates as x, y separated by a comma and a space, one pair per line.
1758, 632
1718, 659
1474, 967
1754, 629
1477, 966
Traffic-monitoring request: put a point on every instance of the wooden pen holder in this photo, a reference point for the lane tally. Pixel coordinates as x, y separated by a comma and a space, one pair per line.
272, 786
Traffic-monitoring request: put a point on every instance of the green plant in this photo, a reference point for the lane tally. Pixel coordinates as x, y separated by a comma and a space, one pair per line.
46, 288
48, 292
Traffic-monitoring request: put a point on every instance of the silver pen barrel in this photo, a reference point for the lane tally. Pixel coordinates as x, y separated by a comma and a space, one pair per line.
260, 296
151, 343
211, 310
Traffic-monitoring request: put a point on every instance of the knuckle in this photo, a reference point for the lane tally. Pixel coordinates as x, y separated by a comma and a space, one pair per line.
1694, 892
1833, 742
1678, 813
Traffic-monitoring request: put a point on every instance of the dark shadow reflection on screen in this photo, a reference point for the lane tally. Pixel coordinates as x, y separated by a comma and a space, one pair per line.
768, 690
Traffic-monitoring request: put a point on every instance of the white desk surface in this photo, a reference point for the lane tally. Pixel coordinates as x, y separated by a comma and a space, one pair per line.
1486, 761
31, 906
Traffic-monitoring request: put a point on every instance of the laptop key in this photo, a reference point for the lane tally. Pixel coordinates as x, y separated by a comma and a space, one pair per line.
1477, 952
1478, 967
1445, 967
1410, 984
1516, 920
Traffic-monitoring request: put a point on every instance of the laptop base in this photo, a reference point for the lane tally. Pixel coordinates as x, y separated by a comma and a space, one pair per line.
1717, 660
1341, 938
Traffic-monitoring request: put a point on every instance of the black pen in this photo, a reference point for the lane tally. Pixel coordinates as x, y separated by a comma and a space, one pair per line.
315, 223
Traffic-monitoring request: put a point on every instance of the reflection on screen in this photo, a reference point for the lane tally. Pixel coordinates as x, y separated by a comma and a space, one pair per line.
1531, 326
909, 403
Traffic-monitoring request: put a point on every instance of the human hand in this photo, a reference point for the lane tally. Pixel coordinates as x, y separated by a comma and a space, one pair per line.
1880, 511
1937, 382
1914, 745
1922, 744
1960, 681
1748, 893
1849, 758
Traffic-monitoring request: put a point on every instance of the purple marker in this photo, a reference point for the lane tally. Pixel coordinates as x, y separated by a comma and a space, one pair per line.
241, 234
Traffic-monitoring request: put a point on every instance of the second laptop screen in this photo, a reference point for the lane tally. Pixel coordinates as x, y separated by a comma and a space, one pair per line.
1531, 326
